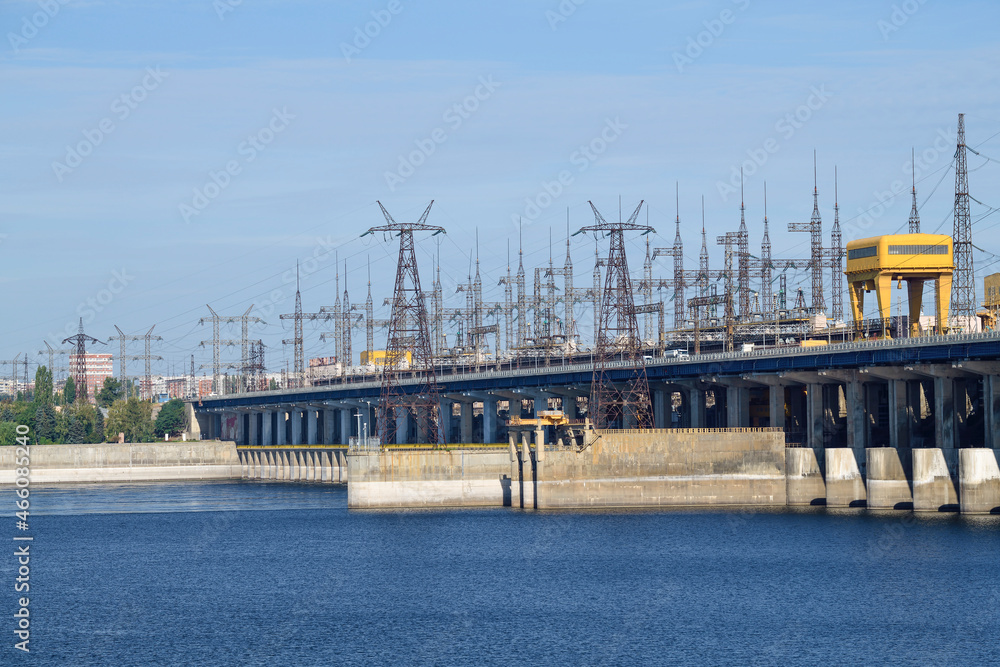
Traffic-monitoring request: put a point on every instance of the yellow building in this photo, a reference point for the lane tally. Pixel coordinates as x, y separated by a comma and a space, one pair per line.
875, 263
991, 302
378, 357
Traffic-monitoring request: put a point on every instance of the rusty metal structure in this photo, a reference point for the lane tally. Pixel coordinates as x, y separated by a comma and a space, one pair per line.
79, 361
409, 336
617, 335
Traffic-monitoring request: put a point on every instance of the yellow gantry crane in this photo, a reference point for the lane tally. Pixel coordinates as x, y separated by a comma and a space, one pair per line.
875, 263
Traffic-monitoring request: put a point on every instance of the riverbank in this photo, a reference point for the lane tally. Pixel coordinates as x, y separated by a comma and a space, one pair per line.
139, 462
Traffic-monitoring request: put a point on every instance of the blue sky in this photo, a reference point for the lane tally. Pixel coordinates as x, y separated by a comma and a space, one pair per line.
682, 92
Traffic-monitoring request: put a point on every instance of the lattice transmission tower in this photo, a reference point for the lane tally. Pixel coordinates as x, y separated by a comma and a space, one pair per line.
617, 335
409, 335
964, 288
79, 361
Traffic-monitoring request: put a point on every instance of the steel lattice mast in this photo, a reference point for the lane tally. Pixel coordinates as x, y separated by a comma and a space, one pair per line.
409, 332
964, 288
837, 256
617, 335
914, 222
79, 369
816, 259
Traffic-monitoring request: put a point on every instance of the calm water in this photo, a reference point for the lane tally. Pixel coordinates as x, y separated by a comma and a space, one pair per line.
268, 574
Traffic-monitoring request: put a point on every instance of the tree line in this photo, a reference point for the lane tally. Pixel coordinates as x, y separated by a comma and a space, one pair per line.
67, 417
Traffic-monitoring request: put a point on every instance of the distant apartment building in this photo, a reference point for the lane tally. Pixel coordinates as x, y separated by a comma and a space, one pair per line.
177, 387
98, 367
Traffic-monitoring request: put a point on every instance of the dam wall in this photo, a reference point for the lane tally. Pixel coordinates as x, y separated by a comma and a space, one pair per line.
139, 462
630, 468
665, 467
429, 478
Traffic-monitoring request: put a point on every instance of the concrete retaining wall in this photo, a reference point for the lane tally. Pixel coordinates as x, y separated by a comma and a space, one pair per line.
978, 481
429, 478
140, 462
663, 467
804, 483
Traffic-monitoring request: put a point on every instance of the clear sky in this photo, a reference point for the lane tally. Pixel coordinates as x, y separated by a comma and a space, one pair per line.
161, 155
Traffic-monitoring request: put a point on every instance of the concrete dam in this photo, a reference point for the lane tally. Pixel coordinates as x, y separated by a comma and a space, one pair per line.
749, 467
889, 424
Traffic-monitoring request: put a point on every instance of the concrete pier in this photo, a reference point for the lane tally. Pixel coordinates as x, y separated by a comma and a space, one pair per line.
978, 481
804, 483
317, 463
887, 486
844, 485
933, 484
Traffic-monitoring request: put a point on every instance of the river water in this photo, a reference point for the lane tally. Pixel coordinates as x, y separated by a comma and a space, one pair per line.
278, 574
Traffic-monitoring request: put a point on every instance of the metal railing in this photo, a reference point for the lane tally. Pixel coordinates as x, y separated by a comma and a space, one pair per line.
587, 367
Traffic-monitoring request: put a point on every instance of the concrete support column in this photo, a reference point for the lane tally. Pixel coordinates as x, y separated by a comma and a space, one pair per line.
991, 411
402, 418
280, 434
899, 416
857, 427
661, 408
345, 426
312, 427
695, 407
776, 405
296, 416
466, 422
237, 431
815, 416
267, 435
254, 439
944, 412
328, 426
737, 407
489, 420
444, 413
570, 408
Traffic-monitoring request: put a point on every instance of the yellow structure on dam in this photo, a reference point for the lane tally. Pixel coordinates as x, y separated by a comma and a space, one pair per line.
874, 263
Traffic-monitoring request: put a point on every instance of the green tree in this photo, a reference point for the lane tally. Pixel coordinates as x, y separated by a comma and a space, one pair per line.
43, 385
8, 433
171, 420
98, 435
45, 422
131, 417
77, 432
69, 391
110, 392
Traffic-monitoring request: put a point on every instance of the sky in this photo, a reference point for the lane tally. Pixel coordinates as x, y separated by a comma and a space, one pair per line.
159, 156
